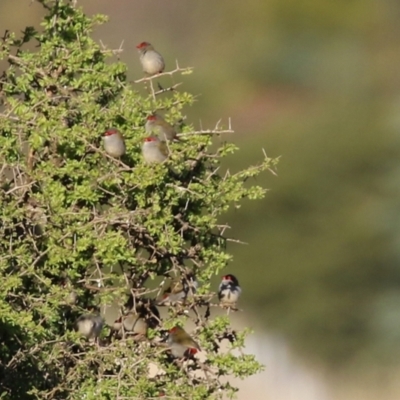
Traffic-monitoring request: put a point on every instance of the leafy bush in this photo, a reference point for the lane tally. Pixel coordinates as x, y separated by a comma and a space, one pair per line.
77, 222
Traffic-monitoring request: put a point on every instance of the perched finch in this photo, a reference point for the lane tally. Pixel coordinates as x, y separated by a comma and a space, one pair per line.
181, 343
71, 297
229, 291
179, 289
145, 308
131, 323
90, 325
114, 143
153, 150
151, 60
156, 125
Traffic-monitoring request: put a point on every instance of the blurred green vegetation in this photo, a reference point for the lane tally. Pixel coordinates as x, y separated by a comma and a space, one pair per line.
316, 82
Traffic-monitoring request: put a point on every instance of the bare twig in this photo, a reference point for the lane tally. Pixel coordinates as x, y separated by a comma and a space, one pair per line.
169, 89
214, 131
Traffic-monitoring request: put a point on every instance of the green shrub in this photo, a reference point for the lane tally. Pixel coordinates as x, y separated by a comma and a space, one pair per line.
76, 220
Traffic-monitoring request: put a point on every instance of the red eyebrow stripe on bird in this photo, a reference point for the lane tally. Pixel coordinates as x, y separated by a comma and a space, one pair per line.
143, 44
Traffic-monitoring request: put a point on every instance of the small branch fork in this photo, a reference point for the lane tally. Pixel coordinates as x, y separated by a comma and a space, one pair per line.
150, 79
116, 52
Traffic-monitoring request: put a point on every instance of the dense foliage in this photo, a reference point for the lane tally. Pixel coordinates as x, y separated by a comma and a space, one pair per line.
75, 220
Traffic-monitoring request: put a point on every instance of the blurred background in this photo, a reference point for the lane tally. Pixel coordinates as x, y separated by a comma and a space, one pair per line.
316, 82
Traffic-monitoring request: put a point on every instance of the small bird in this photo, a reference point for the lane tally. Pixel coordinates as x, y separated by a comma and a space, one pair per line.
156, 125
181, 343
89, 325
145, 308
152, 61
132, 324
71, 297
179, 289
154, 151
114, 143
229, 291
175, 292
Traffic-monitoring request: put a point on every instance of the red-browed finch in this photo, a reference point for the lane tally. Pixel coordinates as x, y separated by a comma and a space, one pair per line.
154, 150
114, 143
179, 289
156, 125
132, 324
151, 60
181, 343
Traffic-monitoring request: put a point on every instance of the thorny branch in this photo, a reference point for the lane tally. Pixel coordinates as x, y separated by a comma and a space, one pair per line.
186, 70
216, 130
